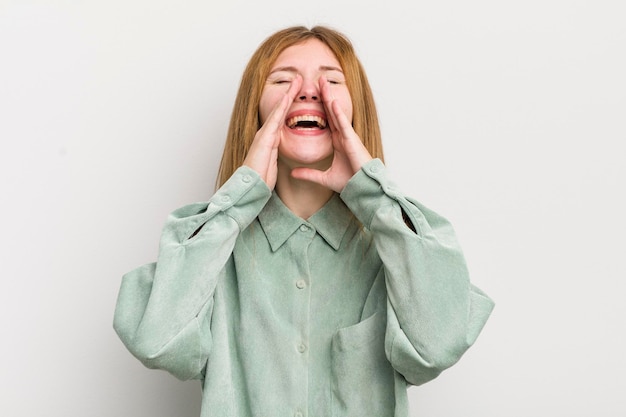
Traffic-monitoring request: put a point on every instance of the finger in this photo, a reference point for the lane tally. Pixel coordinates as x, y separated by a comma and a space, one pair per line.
276, 119
341, 120
334, 178
294, 87
327, 99
308, 174
311, 175
352, 144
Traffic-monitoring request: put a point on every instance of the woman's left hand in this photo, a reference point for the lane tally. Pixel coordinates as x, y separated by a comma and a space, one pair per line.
349, 152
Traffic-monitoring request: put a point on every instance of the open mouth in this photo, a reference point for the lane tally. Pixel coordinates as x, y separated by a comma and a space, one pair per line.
306, 121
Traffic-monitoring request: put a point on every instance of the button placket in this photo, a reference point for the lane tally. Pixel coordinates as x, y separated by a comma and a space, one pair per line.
301, 241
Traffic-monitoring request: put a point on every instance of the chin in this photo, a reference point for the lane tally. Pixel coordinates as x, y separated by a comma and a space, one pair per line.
306, 150
318, 160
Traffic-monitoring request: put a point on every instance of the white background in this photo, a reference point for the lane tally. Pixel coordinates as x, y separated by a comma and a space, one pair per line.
507, 117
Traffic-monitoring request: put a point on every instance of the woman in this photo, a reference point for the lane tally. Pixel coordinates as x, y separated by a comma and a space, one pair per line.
308, 285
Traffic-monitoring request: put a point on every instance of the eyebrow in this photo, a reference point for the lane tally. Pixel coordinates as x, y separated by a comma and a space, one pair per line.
294, 69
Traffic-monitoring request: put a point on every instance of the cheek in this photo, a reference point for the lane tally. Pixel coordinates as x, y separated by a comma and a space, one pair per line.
263, 113
342, 95
346, 105
348, 110
267, 103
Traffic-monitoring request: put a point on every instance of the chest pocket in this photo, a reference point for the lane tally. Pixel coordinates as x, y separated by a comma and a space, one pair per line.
362, 377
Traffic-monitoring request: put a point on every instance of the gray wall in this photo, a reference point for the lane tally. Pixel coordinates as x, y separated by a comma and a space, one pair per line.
506, 117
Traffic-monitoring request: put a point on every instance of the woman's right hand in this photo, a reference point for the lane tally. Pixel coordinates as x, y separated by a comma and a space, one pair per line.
263, 154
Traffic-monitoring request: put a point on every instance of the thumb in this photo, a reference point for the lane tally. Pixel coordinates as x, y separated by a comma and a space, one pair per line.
309, 174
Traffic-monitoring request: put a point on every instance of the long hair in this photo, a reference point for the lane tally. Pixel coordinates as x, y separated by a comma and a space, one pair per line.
245, 122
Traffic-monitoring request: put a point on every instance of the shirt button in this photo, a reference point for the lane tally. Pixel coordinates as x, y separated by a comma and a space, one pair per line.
300, 283
225, 199
301, 347
246, 178
304, 228
374, 169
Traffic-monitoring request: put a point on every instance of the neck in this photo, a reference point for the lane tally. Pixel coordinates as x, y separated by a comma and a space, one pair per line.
303, 198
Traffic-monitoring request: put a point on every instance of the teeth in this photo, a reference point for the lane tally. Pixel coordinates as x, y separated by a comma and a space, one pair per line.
321, 122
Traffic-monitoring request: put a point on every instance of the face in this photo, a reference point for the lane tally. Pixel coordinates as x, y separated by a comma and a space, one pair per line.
306, 138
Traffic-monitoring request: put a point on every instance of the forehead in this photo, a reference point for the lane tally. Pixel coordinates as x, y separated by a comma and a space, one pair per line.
311, 51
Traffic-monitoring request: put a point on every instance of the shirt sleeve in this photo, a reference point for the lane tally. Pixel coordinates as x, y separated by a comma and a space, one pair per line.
164, 309
434, 313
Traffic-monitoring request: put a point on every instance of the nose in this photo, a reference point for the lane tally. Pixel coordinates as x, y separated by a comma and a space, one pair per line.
309, 91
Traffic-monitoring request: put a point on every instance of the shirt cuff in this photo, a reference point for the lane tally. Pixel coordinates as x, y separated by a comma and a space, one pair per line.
368, 190
241, 197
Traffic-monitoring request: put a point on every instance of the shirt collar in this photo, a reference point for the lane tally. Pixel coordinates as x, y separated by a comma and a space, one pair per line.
330, 222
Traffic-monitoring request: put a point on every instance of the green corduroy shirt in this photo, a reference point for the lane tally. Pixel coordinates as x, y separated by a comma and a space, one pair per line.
335, 315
